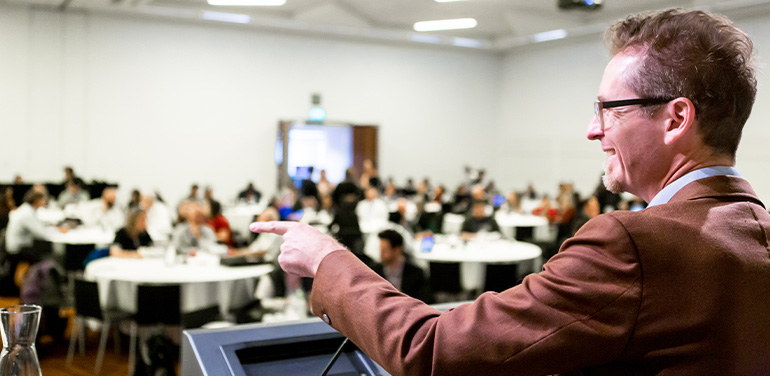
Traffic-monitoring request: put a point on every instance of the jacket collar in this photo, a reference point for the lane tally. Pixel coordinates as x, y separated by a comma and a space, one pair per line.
720, 187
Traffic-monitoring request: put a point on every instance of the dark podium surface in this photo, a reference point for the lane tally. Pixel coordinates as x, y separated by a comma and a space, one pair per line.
292, 348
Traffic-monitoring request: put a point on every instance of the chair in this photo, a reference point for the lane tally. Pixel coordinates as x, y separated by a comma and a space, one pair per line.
87, 305
161, 305
74, 260
445, 278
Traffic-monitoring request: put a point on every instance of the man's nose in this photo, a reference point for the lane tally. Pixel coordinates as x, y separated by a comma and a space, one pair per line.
595, 131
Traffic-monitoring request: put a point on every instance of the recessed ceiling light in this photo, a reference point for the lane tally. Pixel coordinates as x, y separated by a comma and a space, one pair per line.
549, 35
460, 23
225, 17
249, 3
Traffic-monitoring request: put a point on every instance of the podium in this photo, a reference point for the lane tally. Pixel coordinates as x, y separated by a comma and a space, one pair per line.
294, 348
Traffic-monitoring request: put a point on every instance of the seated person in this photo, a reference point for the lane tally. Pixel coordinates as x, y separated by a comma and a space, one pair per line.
158, 217
267, 246
104, 213
213, 211
250, 194
395, 267
512, 205
24, 228
192, 234
373, 211
128, 239
74, 194
478, 221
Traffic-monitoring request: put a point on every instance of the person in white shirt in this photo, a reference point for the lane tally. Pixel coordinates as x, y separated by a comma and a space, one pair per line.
104, 213
158, 218
372, 212
193, 234
24, 228
267, 246
73, 195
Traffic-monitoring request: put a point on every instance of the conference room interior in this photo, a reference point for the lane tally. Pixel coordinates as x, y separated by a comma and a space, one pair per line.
443, 131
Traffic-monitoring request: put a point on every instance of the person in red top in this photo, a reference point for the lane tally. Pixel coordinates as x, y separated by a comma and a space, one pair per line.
219, 223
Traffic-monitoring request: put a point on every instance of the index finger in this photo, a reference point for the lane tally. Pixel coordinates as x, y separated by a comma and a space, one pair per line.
274, 227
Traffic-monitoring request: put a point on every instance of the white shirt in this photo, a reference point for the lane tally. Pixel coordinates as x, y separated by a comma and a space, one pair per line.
111, 220
268, 242
158, 222
23, 228
372, 214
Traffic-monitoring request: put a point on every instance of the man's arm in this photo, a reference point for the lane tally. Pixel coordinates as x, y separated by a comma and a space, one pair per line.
578, 312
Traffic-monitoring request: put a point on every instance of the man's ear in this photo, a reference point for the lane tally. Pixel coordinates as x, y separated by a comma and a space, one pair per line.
679, 115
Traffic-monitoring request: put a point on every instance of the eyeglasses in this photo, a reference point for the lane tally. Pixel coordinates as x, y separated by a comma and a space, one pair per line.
600, 105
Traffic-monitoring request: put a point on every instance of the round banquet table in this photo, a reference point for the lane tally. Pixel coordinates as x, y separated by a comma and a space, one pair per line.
81, 235
508, 223
475, 254
203, 281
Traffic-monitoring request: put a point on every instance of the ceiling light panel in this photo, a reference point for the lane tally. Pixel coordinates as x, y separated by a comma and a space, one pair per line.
455, 24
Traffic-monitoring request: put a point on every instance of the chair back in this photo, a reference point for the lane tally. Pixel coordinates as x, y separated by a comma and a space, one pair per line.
158, 304
445, 277
87, 303
75, 256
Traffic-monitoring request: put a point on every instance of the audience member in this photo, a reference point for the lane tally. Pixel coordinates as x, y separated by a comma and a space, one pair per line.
24, 228
325, 187
134, 235
135, 201
158, 218
479, 221
372, 212
250, 195
347, 191
308, 187
103, 212
268, 247
396, 268
512, 205
462, 200
74, 194
191, 197
213, 211
369, 176
192, 234
7, 205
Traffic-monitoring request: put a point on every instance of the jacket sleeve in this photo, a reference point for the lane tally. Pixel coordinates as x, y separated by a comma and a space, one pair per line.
579, 311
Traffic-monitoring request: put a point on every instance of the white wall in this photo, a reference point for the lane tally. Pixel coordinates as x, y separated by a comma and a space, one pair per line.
160, 104
547, 97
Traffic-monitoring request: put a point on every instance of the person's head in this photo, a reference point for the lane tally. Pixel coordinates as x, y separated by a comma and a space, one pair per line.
477, 192
35, 199
136, 221
368, 165
591, 207
109, 195
323, 174
390, 190
147, 200
391, 247
479, 209
192, 212
513, 199
371, 194
69, 174
349, 174
194, 191
18, 180
310, 170
269, 214
73, 187
696, 69
135, 196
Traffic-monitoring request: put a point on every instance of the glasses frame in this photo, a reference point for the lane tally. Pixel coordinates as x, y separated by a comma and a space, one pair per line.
599, 106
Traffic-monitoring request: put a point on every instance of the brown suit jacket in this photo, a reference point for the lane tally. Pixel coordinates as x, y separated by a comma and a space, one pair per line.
677, 289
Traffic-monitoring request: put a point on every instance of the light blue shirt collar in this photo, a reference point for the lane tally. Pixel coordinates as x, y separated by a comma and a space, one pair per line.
670, 190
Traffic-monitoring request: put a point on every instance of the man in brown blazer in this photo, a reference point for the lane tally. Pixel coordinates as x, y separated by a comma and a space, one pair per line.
680, 288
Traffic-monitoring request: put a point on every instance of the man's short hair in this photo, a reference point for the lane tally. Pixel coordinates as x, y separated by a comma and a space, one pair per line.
393, 237
697, 55
33, 196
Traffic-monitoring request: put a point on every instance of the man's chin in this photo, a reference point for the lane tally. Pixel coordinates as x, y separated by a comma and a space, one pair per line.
612, 184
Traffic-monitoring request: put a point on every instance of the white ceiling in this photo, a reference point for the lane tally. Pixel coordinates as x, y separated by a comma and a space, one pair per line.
502, 24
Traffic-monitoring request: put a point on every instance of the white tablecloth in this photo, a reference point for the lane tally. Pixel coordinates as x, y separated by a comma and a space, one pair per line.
475, 254
82, 235
202, 282
508, 223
